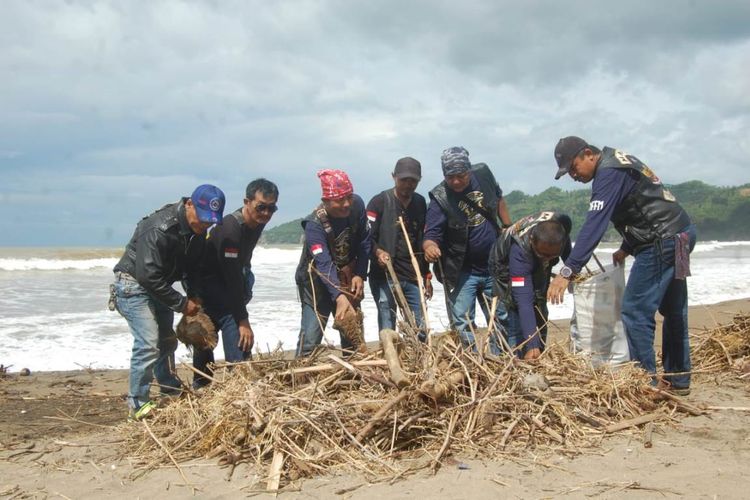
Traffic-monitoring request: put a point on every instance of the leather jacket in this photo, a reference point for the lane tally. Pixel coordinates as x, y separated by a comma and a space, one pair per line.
162, 250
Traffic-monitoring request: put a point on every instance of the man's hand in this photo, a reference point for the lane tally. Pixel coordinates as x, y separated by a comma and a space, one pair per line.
382, 256
192, 307
247, 337
618, 258
532, 354
431, 251
427, 289
557, 289
358, 287
343, 307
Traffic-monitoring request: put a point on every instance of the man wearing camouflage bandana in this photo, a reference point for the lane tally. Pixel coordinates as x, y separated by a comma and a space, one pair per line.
464, 218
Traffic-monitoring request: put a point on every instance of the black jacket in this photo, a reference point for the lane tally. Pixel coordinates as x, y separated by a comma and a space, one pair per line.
163, 250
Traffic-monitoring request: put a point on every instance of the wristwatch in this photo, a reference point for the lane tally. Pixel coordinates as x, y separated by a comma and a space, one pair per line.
566, 272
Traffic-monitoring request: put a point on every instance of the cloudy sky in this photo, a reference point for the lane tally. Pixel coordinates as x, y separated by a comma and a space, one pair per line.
109, 110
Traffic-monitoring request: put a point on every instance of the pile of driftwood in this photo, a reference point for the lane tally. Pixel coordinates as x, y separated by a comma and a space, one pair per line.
724, 348
406, 407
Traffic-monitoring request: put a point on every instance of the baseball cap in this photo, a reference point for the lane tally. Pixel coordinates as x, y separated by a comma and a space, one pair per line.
567, 148
455, 161
208, 201
408, 168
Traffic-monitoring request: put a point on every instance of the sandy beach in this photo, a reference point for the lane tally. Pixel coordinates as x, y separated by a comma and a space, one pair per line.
59, 439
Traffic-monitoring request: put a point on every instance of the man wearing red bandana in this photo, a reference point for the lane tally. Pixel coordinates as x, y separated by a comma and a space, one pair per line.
333, 266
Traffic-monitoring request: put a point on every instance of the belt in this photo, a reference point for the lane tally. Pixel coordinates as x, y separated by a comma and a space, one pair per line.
121, 275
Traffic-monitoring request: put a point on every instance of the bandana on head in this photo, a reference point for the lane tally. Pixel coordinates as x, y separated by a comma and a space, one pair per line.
335, 184
455, 161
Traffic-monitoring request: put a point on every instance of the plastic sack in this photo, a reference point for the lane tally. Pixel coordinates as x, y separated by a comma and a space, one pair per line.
596, 326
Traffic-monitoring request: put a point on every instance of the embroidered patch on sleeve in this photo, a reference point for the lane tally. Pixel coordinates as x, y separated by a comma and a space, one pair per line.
316, 249
231, 253
373, 216
517, 281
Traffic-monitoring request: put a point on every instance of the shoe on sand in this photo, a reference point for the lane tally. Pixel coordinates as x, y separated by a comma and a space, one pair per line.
141, 412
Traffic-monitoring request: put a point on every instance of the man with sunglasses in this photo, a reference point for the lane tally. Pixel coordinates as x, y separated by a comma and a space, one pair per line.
333, 265
464, 218
656, 230
226, 275
521, 265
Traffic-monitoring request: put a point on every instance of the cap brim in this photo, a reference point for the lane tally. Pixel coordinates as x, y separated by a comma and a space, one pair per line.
562, 171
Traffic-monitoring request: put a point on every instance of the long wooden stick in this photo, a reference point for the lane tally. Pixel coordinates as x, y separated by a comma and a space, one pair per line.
382, 412
398, 293
420, 281
633, 422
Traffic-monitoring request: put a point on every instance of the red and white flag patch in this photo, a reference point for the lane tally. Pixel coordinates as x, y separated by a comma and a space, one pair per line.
316, 249
231, 253
517, 281
373, 216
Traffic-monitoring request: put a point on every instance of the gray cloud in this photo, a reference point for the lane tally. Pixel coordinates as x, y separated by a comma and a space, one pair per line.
110, 109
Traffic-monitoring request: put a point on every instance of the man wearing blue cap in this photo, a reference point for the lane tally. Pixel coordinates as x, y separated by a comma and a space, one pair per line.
656, 230
464, 218
166, 247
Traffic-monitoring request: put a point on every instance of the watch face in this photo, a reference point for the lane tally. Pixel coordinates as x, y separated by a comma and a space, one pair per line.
566, 272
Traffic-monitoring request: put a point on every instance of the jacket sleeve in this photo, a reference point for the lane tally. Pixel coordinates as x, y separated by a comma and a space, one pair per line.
522, 289
317, 244
154, 260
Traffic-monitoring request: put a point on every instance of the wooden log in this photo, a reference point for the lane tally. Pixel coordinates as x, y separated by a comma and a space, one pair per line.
388, 340
367, 429
633, 422
688, 408
274, 471
437, 388
648, 435
553, 434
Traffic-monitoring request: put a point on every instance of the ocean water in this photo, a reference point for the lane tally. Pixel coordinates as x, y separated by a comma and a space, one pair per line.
54, 316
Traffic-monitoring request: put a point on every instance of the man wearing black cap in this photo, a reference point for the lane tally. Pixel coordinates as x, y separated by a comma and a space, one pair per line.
464, 218
389, 244
656, 230
226, 275
166, 247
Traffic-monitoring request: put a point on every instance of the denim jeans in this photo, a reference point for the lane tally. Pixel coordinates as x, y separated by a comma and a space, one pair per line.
311, 334
463, 298
230, 338
386, 302
154, 341
651, 287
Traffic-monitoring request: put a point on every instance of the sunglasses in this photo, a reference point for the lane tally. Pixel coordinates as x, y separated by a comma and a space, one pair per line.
270, 208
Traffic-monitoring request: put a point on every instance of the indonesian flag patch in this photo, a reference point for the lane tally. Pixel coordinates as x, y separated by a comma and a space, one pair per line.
373, 216
316, 249
517, 281
231, 253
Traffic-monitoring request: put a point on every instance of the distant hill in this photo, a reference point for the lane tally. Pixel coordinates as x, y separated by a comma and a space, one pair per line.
720, 213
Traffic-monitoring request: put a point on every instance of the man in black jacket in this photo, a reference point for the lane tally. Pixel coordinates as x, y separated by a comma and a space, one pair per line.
464, 218
166, 247
389, 244
656, 230
521, 265
226, 275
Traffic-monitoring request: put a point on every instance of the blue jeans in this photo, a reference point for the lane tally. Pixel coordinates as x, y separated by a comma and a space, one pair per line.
469, 289
386, 302
651, 287
230, 338
311, 333
154, 341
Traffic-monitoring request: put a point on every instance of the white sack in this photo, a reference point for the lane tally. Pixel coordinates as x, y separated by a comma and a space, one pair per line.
596, 327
